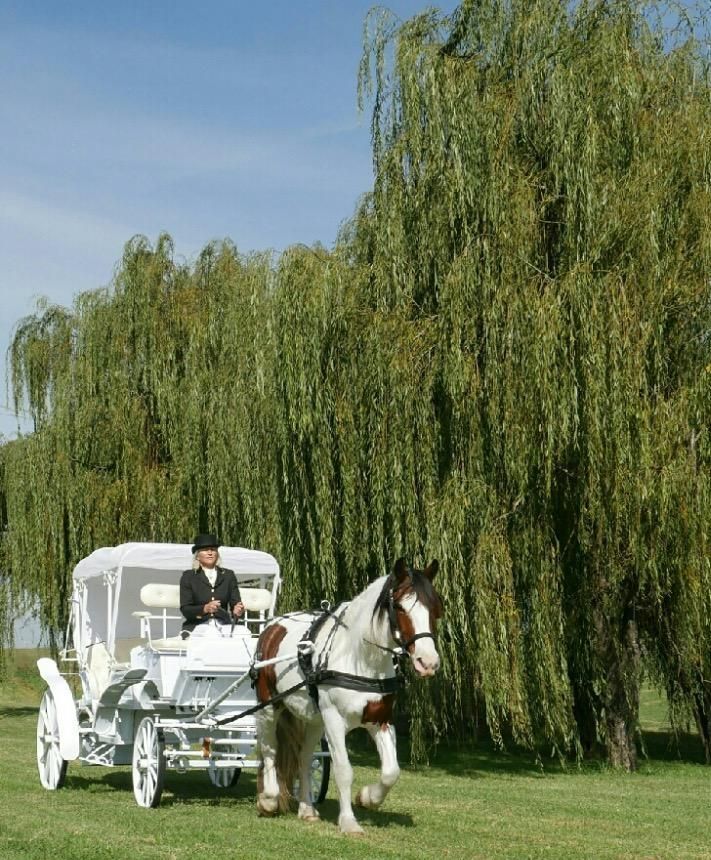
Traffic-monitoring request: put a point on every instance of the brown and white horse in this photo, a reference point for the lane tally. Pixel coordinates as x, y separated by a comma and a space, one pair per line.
345, 678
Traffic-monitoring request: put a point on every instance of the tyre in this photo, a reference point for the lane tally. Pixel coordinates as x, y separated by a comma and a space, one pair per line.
50, 764
320, 773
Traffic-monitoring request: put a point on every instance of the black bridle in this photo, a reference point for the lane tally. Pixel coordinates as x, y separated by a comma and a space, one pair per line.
395, 630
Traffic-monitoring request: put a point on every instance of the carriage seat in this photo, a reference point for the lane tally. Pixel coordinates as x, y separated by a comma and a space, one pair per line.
164, 596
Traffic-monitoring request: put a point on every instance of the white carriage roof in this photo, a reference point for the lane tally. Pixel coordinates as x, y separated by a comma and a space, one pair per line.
172, 557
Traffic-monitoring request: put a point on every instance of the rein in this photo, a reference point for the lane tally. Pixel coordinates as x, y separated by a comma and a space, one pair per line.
321, 674
261, 705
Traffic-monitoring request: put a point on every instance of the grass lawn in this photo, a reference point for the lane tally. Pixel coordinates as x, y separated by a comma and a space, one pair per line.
471, 802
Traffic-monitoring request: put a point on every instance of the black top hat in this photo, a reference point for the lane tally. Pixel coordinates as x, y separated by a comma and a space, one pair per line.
205, 542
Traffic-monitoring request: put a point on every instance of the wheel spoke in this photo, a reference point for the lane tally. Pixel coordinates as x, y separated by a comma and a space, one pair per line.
53, 769
147, 787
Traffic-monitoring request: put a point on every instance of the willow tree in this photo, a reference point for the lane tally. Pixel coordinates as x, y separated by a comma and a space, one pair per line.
149, 401
543, 201
503, 363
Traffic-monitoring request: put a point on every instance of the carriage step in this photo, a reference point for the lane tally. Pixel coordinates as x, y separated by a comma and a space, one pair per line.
113, 692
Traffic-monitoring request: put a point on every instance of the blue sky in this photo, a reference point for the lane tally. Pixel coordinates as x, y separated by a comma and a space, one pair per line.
214, 119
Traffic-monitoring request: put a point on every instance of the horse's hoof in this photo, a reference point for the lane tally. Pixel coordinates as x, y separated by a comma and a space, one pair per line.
309, 814
350, 827
267, 806
363, 799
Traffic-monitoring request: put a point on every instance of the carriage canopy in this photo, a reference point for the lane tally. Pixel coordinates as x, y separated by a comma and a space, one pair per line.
107, 584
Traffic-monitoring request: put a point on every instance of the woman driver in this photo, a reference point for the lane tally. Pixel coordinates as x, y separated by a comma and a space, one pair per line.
208, 591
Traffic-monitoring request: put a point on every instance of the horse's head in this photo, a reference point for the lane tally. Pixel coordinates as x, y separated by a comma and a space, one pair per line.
413, 607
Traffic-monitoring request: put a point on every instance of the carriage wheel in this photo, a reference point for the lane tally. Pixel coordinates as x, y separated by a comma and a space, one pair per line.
148, 764
320, 773
52, 767
224, 777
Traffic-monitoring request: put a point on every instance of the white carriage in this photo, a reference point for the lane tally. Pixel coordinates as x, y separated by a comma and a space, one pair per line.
139, 694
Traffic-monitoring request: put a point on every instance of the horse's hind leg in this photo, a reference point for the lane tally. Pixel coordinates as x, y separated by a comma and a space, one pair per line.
312, 736
371, 796
267, 782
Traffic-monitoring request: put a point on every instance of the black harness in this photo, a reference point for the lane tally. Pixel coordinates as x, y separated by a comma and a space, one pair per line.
319, 675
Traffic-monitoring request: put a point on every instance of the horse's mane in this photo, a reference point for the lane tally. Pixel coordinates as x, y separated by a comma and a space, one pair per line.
363, 624
416, 583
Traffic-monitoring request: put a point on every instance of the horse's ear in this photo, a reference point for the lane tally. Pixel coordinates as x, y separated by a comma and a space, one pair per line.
400, 570
431, 569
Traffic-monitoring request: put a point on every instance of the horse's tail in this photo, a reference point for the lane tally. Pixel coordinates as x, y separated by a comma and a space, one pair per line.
290, 740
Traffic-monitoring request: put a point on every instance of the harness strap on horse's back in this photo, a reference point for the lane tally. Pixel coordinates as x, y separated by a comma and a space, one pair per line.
384, 686
312, 673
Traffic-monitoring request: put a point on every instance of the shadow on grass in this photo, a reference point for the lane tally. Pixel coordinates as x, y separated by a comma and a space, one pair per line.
457, 758
196, 789
662, 747
665, 746
19, 712
375, 818
178, 788
483, 757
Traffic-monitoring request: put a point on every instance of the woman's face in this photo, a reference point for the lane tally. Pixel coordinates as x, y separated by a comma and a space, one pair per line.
207, 557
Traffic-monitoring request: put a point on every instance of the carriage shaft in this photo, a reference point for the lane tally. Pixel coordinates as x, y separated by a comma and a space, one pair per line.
258, 664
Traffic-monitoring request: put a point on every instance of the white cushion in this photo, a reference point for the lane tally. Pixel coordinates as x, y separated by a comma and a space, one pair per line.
159, 595
172, 643
98, 662
256, 599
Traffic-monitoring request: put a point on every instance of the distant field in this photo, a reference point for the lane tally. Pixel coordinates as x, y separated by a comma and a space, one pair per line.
469, 803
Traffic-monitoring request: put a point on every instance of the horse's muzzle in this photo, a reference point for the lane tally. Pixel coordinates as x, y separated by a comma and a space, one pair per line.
425, 666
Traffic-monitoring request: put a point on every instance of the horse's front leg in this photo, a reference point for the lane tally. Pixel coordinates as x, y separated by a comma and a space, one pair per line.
371, 796
336, 728
267, 782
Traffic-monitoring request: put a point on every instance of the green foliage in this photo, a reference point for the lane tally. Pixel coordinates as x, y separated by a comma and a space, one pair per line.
503, 363
542, 194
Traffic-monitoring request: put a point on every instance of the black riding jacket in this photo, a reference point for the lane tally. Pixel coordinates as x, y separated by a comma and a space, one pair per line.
196, 591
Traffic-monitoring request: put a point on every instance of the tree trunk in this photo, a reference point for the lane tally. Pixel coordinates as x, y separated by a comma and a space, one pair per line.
617, 647
585, 713
621, 748
622, 701
702, 713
